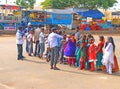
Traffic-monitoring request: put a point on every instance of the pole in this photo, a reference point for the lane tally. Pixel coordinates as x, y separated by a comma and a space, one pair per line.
6, 1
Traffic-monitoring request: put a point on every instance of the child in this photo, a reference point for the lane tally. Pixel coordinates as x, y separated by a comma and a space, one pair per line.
83, 52
78, 53
62, 47
92, 54
30, 42
108, 56
100, 53
69, 51
87, 64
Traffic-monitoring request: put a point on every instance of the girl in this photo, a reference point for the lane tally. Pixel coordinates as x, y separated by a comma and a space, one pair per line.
69, 51
83, 52
108, 56
92, 54
100, 53
78, 53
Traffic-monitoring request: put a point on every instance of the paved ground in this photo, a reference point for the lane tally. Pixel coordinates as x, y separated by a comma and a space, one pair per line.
34, 73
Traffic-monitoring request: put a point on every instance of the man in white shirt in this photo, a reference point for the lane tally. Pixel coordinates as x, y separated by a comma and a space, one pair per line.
36, 40
42, 42
26, 31
19, 42
53, 46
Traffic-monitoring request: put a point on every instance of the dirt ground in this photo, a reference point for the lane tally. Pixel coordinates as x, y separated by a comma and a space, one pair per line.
34, 73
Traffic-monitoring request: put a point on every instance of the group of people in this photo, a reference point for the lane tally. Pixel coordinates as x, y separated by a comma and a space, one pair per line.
75, 49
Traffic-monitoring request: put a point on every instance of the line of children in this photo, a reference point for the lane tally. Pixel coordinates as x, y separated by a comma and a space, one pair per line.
86, 55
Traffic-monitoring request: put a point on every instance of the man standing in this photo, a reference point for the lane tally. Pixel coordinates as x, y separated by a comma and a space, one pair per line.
19, 42
77, 34
53, 46
27, 30
36, 40
42, 42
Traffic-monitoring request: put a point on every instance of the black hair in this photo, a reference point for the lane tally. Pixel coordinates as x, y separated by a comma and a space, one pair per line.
20, 28
39, 25
112, 41
101, 37
60, 32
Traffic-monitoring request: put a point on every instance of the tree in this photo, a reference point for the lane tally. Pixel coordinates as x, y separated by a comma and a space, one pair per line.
26, 3
59, 4
89, 4
47, 4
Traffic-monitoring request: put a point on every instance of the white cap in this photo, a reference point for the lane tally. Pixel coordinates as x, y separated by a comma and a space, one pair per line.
29, 24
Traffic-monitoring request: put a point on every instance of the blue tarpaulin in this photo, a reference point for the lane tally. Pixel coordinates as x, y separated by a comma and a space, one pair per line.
61, 18
92, 13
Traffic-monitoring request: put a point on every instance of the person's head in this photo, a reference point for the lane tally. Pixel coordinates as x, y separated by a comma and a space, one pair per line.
63, 32
49, 31
92, 40
39, 25
83, 37
20, 28
64, 37
42, 30
60, 32
54, 30
101, 38
89, 35
31, 32
29, 25
77, 29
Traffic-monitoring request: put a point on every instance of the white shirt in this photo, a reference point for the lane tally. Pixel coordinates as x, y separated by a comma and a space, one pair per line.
41, 37
36, 34
108, 55
19, 38
77, 35
52, 39
29, 37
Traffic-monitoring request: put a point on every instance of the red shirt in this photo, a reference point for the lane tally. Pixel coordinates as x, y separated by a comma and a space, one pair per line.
100, 47
92, 52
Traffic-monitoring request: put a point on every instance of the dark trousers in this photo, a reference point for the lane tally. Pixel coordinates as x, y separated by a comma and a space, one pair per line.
37, 48
30, 47
27, 48
20, 51
54, 56
61, 54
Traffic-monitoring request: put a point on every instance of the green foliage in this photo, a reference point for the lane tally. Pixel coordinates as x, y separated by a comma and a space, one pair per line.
47, 4
26, 3
89, 4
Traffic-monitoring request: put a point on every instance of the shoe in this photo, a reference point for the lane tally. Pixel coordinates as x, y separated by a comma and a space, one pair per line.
23, 57
20, 59
39, 56
51, 68
56, 68
47, 60
29, 55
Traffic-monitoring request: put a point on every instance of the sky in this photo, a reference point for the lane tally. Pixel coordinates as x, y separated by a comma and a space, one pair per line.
116, 7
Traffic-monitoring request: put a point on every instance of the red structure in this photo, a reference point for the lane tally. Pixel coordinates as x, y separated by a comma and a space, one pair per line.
10, 7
